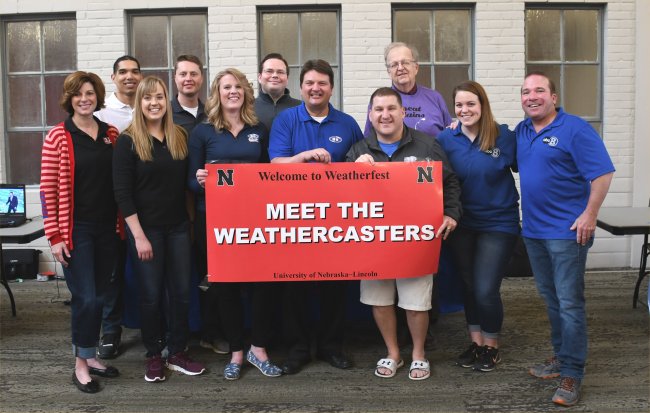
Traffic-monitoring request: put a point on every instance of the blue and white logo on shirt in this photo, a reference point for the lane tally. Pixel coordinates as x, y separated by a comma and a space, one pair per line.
335, 139
253, 137
495, 152
106, 140
551, 140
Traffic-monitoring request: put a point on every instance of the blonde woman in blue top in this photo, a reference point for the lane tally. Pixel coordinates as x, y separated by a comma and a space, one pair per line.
482, 153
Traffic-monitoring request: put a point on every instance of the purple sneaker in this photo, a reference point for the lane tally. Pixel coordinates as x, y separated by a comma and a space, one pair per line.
182, 363
154, 369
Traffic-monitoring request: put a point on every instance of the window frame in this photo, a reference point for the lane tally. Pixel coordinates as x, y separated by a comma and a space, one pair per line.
431, 8
42, 73
562, 63
169, 13
295, 69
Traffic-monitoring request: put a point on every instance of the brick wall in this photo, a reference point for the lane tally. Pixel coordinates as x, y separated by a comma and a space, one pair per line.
366, 28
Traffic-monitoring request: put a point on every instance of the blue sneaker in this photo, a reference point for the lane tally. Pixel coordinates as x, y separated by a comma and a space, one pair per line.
266, 367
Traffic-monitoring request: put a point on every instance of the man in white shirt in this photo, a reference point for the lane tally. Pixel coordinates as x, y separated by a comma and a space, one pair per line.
119, 105
119, 113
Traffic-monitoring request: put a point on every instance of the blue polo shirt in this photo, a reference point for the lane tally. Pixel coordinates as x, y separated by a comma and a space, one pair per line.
295, 131
488, 192
556, 167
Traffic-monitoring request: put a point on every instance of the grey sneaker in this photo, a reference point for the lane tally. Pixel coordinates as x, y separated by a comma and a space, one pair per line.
568, 393
548, 370
218, 345
468, 357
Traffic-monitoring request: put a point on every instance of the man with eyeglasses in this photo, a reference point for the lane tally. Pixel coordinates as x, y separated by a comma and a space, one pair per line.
425, 108
274, 96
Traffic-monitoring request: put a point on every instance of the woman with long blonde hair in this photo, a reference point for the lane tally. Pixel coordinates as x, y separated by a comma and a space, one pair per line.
149, 174
232, 134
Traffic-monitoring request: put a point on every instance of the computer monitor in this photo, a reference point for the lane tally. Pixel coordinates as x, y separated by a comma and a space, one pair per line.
12, 204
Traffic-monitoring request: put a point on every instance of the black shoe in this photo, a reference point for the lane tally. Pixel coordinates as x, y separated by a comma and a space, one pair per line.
468, 357
91, 387
109, 346
337, 360
109, 372
488, 358
293, 365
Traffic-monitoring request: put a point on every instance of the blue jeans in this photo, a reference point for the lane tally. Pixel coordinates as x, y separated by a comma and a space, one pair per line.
481, 259
166, 276
114, 300
87, 276
559, 270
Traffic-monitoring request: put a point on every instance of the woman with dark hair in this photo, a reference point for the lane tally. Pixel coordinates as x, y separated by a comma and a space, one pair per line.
482, 153
231, 134
80, 215
149, 170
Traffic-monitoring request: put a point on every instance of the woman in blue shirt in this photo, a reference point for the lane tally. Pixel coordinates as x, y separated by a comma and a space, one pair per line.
233, 134
482, 153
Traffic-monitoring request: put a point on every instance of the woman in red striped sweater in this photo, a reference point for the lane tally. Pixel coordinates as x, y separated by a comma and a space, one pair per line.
80, 215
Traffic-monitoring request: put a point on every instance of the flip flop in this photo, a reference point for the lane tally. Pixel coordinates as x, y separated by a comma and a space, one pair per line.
389, 364
420, 365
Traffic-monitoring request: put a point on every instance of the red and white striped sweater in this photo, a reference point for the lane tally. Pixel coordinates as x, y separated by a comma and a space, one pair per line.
57, 184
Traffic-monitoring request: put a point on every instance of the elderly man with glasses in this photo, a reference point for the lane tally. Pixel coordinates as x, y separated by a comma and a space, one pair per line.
425, 108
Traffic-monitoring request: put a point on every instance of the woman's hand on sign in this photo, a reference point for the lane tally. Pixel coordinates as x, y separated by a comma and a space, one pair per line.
201, 176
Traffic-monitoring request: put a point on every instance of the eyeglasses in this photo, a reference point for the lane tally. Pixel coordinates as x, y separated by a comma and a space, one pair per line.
404, 63
271, 72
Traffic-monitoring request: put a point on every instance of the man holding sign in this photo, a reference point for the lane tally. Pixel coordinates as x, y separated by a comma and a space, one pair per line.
391, 140
314, 132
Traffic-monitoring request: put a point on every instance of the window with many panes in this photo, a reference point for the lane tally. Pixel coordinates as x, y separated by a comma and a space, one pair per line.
566, 44
300, 35
443, 39
38, 54
156, 39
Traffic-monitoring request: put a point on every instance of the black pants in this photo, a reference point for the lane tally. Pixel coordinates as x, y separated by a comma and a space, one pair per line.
231, 311
298, 324
209, 299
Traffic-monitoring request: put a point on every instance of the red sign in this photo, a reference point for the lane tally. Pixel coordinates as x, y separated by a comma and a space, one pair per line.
309, 222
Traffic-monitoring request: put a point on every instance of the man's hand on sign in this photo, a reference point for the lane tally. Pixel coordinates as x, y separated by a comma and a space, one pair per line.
366, 158
201, 176
448, 224
319, 155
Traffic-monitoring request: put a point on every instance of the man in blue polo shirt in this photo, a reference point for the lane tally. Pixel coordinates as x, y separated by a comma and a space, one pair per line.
314, 132
565, 174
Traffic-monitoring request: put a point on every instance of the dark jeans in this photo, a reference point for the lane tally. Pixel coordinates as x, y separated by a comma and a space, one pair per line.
88, 275
298, 324
209, 299
114, 299
481, 259
168, 273
262, 298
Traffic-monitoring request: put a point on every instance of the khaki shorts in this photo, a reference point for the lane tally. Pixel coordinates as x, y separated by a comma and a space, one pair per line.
414, 293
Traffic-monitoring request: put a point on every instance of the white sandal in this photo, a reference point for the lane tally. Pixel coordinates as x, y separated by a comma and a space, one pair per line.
389, 364
420, 365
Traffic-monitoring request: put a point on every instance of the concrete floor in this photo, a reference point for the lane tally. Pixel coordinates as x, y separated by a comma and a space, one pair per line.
36, 364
